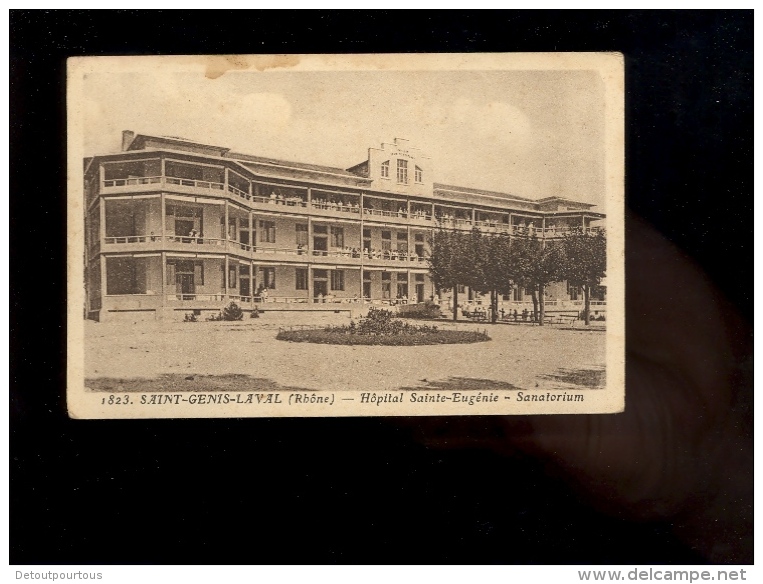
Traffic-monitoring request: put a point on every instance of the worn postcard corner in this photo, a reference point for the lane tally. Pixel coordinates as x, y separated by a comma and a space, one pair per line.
345, 235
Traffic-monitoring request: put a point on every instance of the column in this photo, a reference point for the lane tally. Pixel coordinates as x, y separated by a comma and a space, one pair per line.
310, 237
226, 190
543, 226
511, 226
474, 217
102, 221
164, 278
410, 248
163, 167
225, 231
251, 236
225, 278
309, 197
103, 279
250, 195
411, 288
164, 216
309, 284
101, 177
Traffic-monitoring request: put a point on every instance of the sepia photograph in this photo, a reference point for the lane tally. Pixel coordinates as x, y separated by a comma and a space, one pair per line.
345, 235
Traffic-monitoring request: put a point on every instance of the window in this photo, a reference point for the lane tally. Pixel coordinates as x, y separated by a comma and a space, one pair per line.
320, 229
337, 279
337, 237
402, 242
418, 175
419, 277
301, 282
232, 276
386, 285
268, 277
268, 231
301, 234
419, 238
402, 171
320, 274
366, 276
386, 241
385, 169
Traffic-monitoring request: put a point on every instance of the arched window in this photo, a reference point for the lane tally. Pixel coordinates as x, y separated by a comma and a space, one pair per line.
385, 169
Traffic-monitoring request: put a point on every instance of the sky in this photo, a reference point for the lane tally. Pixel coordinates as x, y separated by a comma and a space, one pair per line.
529, 133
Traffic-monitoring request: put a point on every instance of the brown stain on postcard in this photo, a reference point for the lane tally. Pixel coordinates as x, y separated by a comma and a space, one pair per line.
218, 65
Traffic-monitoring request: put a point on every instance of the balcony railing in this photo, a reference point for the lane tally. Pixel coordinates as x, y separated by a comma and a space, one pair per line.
199, 184
446, 221
287, 202
326, 206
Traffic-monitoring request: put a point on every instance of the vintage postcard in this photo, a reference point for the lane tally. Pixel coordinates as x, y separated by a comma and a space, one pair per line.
345, 235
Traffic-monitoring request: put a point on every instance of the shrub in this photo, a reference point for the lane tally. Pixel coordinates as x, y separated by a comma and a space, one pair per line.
255, 313
232, 312
190, 317
380, 322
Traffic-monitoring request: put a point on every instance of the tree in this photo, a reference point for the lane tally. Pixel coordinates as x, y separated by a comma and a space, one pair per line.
585, 262
536, 264
493, 270
450, 261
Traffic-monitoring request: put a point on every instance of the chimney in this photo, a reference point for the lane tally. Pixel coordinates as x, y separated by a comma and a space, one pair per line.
127, 138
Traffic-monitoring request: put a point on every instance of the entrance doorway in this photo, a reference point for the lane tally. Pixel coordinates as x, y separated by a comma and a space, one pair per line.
185, 286
419, 292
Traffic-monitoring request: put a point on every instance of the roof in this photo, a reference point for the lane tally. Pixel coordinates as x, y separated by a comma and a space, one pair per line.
479, 192
244, 158
176, 140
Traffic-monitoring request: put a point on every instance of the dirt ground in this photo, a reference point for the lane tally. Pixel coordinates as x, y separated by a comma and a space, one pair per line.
245, 356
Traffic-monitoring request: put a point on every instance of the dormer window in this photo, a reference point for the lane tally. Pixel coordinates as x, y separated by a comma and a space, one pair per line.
418, 175
385, 169
402, 171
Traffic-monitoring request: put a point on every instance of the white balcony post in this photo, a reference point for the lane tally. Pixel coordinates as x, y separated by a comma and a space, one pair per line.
251, 235
225, 237
164, 278
225, 186
410, 249
225, 278
164, 216
309, 284
102, 221
101, 177
104, 281
310, 237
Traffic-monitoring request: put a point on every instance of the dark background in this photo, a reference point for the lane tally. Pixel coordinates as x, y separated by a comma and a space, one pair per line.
345, 490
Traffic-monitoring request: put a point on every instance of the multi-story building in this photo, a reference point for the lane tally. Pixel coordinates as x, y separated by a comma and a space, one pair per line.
174, 226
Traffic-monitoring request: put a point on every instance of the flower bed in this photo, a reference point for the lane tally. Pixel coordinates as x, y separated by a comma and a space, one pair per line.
380, 328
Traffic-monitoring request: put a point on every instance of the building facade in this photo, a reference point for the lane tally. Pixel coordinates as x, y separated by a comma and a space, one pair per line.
173, 226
